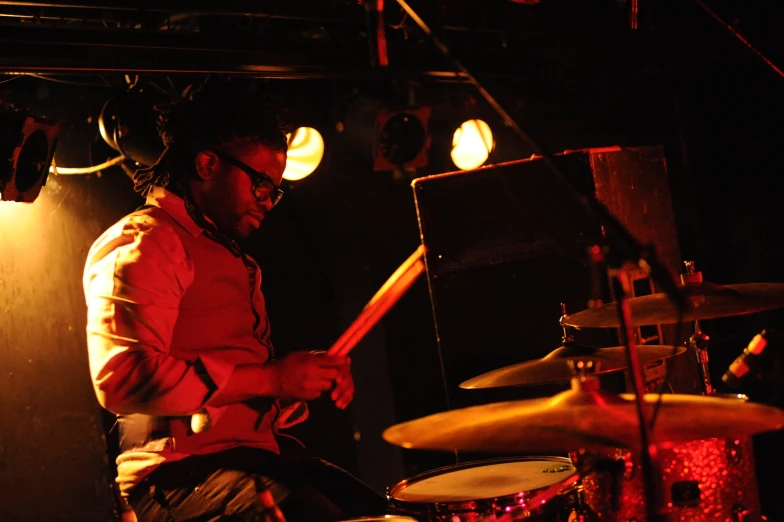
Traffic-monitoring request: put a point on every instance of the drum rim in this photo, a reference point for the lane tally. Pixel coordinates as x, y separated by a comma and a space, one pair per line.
461, 505
380, 517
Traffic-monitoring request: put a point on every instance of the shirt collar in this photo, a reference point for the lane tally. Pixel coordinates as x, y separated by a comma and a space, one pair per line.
173, 205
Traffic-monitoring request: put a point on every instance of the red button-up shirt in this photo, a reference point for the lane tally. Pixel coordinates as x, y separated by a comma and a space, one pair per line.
170, 314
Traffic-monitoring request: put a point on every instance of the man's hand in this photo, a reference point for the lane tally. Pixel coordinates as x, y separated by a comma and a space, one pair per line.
344, 391
305, 375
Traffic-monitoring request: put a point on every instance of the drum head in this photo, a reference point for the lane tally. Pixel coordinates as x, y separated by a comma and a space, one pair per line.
483, 480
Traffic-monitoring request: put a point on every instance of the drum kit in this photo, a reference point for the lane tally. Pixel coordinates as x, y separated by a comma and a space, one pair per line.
705, 468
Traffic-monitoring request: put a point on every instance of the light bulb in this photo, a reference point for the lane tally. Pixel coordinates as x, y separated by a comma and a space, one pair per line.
472, 144
306, 148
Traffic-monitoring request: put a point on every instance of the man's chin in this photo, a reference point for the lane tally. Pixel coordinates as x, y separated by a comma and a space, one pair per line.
253, 222
242, 232
245, 228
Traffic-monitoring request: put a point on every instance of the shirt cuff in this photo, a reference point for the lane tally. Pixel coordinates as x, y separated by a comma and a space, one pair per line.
219, 373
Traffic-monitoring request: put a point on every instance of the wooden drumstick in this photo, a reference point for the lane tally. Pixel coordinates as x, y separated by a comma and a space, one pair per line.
394, 288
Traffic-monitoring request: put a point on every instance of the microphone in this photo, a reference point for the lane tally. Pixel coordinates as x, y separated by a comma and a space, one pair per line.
741, 366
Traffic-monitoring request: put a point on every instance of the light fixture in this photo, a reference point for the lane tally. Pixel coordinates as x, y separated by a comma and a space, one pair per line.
402, 139
472, 144
306, 148
128, 124
27, 145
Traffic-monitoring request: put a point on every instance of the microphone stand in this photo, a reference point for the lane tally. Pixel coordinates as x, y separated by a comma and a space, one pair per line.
643, 256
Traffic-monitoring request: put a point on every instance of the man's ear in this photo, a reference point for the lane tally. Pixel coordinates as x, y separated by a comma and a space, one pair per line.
206, 165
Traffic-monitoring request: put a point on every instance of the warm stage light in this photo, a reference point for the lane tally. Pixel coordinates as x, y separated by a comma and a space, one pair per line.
306, 148
472, 144
27, 145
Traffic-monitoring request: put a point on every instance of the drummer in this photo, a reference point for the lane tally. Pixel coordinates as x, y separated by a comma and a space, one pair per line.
179, 337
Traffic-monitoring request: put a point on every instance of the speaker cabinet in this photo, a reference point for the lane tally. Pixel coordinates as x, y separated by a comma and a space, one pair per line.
507, 244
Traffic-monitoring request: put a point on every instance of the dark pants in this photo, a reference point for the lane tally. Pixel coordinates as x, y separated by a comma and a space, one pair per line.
226, 486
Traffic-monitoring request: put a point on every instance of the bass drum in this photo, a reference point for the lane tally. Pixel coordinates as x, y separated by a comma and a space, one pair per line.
708, 480
484, 490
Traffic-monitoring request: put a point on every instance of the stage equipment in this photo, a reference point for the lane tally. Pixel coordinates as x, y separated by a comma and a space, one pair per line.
557, 365
128, 124
27, 145
402, 139
583, 417
705, 301
534, 489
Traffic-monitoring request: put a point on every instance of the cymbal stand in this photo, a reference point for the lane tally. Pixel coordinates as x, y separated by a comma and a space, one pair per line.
566, 338
699, 341
648, 460
583, 378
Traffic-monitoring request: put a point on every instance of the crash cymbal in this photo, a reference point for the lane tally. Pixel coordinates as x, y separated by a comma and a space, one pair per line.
706, 301
582, 418
554, 366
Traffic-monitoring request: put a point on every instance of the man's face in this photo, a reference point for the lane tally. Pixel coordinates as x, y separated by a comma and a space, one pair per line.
229, 197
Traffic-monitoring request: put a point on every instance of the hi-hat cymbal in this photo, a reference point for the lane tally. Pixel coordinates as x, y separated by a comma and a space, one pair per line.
554, 366
706, 301
582, 418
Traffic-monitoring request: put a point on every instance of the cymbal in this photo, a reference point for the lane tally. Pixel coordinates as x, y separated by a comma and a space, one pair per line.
582, 418
554, 366
706, 301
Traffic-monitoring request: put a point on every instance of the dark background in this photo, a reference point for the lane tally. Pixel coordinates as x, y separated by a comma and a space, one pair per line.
572, 74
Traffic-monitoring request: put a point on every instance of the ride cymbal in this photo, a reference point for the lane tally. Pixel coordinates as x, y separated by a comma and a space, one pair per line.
583, 418
706, 301
555, 365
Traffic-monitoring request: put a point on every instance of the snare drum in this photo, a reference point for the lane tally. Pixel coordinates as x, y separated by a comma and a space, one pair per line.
382, 518
484, 490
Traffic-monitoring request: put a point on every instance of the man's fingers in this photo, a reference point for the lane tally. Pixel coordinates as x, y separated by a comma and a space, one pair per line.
319, 385
341, 388
326, 374
332, 361
345, 399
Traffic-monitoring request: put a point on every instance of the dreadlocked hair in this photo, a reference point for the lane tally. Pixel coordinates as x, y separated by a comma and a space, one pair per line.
218, 112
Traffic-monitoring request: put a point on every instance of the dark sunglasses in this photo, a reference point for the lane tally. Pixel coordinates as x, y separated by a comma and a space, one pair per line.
262, 186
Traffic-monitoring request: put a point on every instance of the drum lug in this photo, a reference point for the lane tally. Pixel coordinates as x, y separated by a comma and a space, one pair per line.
578, 516
733, 449
629, 466
739, 513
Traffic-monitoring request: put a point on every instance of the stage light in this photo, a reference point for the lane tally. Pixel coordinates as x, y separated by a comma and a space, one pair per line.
306, 148
128, 124
27, 145
472, 144
402, 139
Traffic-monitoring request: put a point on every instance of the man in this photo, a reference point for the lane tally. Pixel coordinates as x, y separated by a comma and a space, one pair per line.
179, 338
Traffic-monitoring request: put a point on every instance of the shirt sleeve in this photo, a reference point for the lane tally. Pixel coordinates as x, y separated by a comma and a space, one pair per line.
135, 277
